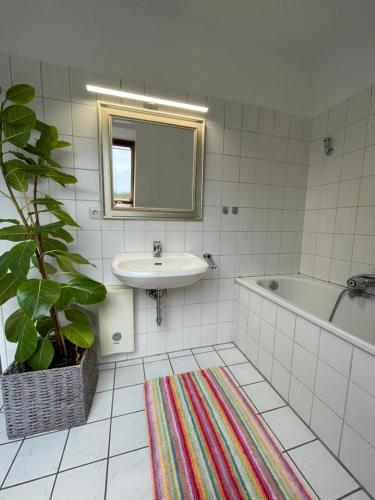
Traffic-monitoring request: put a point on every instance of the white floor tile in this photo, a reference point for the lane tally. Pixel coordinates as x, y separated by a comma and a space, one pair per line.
128, 400
209, 359
129, 476
158, 369
263, 396
35, 490
101, 406
88, 480
7, 454
185, 364
178, 354
245, 373
328, 478
85, 444
287, 427
232, 356
231, 376
38, 456
128, 433
358, 495
129, 375
105, 382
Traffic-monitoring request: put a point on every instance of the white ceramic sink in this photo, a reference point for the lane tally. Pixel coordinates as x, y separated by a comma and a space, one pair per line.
171, 270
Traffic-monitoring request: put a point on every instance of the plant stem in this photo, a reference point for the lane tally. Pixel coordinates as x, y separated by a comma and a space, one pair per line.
60, 342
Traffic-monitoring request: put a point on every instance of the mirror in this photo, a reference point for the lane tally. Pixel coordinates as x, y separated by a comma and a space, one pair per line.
151, 163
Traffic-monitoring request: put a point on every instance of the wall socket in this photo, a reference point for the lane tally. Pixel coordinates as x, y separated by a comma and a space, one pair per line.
95, 213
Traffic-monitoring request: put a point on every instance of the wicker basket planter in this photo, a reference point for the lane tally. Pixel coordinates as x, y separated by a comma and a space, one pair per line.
47, 400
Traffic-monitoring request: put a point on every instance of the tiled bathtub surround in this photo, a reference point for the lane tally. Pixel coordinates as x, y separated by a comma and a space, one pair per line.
339, 228
256, 158
326, 380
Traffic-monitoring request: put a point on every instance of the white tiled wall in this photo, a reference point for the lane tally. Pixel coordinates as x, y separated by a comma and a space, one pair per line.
329, 382
256, 158
339, 227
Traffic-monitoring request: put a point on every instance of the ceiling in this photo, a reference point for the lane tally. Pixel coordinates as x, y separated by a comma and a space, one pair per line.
231, 48
304, 27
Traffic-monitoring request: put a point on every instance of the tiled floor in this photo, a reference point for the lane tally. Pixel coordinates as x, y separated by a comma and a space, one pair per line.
108, 457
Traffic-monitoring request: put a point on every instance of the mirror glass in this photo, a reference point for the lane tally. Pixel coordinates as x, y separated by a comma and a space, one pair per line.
151, 164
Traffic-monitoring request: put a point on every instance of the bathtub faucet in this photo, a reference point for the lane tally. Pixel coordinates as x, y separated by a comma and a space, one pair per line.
357, 287
361, 282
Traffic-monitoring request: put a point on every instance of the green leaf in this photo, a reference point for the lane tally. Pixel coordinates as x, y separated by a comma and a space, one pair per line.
18, 122
47, 202
36, 297
62, 144
21, 156
51, 245
65, 217
51, 173
11, 221
27, 340
3, 265
20, 94
65, 264
86, 291
62, 234
79, 334
42, 154
44, 325
15, 175
47, 227
18, 258
89, 314
43, 355
8, 287
14, 233
64, 299
12, 325
76, 315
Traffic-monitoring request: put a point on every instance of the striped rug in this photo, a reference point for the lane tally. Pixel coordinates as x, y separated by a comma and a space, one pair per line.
206, 442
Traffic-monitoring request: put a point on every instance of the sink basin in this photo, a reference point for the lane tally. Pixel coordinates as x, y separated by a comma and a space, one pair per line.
171, 270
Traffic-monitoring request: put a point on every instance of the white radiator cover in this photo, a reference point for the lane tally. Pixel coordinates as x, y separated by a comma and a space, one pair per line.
116, 321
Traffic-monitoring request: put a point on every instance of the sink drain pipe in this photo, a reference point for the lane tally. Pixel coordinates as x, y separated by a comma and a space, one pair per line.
157, 295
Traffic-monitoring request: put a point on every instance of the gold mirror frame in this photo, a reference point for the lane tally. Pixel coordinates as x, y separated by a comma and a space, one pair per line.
106, 111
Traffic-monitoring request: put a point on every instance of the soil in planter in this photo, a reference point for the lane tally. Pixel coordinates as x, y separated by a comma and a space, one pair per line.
68, 360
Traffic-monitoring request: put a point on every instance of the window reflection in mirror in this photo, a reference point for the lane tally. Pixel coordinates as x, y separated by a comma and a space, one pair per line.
123, 159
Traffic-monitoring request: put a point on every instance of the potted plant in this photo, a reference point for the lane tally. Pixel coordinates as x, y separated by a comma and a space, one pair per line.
51, 383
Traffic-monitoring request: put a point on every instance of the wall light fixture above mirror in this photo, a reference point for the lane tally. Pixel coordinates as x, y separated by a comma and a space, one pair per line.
151, 163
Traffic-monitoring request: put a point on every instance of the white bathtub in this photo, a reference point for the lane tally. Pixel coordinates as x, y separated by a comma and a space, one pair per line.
314, 299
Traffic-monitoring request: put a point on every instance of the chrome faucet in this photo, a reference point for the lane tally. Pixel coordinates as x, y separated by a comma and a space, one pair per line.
361, 282
357, 287
156, 252
208, 257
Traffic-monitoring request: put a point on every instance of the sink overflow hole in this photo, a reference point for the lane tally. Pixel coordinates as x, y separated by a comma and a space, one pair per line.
158, 263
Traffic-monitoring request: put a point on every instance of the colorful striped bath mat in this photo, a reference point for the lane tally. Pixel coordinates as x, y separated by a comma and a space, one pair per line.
206, 442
